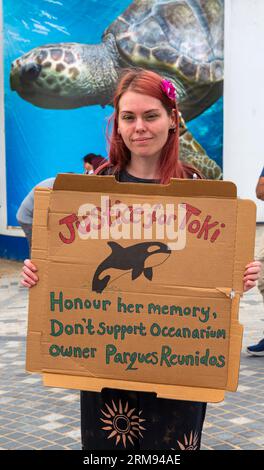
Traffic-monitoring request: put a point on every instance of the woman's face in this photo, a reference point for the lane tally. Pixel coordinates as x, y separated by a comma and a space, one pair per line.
143, 124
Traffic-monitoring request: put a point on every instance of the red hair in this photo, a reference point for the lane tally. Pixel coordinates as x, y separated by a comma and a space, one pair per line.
147, 82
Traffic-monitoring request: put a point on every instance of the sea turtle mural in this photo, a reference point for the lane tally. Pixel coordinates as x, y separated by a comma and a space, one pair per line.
180, 39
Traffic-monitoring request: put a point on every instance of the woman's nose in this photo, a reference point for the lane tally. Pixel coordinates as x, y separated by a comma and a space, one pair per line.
140, 125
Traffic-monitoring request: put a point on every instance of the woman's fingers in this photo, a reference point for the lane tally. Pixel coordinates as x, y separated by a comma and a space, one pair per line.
254, 264
25, 283
30, 265
249, 284
28, 280
29, 274
253, 270
251, 276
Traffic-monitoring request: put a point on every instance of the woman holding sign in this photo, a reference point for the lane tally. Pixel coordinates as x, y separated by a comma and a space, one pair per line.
144, 148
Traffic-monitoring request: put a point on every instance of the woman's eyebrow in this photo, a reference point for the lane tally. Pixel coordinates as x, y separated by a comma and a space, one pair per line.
151, 111
145, 112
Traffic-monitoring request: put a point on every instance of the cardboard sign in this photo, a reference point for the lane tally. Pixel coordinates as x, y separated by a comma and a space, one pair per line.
139, 285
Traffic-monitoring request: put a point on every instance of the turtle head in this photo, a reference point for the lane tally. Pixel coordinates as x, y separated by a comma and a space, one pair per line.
55, 76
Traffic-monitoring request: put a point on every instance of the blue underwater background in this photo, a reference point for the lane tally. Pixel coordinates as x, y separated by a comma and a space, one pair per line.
41, 143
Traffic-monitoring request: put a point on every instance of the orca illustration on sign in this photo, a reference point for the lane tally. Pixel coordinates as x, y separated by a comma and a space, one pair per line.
131, 258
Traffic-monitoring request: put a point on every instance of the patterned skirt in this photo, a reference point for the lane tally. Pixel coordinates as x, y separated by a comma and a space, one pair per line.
119, 419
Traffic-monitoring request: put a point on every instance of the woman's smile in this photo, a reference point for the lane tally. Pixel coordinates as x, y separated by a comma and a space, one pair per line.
142, 139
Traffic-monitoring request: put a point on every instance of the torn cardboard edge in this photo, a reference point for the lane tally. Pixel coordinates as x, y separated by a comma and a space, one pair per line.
176, 187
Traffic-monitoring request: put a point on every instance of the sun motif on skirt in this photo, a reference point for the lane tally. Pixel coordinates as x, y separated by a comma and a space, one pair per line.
123, 423
191, 443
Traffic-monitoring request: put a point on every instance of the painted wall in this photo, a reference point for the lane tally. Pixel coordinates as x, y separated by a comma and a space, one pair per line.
244, 97
39, 143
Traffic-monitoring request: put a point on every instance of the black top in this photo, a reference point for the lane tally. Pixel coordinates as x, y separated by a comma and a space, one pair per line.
125, 177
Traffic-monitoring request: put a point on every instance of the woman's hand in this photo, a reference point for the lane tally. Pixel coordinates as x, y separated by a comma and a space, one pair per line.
30, 279
251, 275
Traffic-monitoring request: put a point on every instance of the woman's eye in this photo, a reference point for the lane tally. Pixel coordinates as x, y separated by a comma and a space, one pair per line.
152, 116
127, 118
149, 117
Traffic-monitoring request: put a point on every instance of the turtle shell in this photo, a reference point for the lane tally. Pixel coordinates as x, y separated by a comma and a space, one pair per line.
181, 37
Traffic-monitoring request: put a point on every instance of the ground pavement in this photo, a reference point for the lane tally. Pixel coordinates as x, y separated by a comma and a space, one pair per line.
36, 417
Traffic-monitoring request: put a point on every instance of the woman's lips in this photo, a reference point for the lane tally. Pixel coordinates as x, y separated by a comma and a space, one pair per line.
143, 139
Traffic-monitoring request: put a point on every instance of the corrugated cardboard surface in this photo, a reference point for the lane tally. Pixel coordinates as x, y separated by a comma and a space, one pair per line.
204, 280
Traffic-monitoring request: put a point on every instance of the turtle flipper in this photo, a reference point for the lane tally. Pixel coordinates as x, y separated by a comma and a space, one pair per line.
192, 153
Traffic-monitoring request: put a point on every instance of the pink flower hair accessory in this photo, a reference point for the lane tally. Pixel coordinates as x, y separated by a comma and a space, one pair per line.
169, 89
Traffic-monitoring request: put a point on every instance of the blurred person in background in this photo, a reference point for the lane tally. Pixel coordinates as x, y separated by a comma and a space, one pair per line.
25, 211
91, 162
258, 349
24, 214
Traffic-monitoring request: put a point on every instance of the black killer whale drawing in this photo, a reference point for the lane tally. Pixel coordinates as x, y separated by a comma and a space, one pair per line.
128, 258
